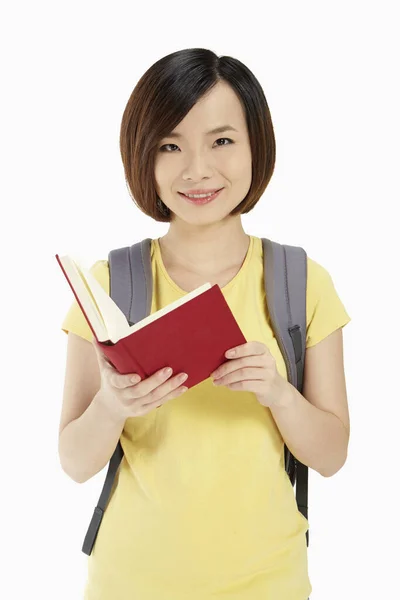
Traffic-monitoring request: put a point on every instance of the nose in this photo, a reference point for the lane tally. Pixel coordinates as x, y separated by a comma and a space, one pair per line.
197, 166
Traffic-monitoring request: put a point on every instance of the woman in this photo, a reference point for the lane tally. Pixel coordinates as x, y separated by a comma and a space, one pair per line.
202, 506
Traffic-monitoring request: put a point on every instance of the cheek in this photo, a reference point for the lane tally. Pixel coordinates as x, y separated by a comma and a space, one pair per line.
241, 179
237, 166
164, 175
158, 176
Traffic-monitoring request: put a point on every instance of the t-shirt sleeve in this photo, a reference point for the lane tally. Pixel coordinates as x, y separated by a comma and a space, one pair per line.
325, 310
74, 321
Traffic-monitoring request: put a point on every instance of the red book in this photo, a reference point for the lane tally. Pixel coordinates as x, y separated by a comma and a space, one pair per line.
190, 335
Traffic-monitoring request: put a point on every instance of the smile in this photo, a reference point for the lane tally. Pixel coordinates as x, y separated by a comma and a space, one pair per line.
201, 201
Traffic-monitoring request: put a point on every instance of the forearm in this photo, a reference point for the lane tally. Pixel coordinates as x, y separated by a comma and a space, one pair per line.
87, 443
317, 438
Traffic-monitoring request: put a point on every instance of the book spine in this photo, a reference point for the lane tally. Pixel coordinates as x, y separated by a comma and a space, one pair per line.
121, 358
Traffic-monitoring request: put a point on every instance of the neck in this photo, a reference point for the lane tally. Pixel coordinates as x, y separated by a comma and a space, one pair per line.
210, 249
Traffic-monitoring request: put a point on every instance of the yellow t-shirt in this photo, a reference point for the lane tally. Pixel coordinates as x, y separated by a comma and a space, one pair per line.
202, 506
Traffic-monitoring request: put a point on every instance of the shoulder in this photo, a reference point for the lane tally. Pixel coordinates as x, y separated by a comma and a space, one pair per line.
317, 275
320, 283
325, 309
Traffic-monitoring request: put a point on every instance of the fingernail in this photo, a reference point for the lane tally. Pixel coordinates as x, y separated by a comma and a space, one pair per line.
135, 379
167, 371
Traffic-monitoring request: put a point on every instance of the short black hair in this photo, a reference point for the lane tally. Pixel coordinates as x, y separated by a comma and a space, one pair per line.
161, 99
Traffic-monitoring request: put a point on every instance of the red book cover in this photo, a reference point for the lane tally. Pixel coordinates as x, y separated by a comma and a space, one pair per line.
192, 338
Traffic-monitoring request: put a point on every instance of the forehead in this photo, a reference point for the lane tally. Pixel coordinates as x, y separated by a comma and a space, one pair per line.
213, 113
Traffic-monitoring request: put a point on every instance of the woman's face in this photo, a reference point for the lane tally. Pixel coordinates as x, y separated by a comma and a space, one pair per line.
201, 160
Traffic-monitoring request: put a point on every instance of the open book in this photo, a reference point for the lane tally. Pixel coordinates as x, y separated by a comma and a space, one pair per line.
191, 334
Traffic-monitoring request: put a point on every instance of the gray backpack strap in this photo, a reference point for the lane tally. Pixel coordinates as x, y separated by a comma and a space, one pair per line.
131, 288
131, 280
285, 276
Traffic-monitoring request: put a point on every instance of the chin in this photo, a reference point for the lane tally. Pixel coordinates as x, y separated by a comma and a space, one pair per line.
201, 218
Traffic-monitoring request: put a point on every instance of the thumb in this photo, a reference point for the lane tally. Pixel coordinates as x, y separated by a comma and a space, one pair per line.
100, 355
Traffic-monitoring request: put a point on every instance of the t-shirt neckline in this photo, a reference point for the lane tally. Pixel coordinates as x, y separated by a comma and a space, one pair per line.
226, 287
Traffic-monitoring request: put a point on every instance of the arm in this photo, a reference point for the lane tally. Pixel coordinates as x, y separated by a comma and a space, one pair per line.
87, 443
315, 426
88, 432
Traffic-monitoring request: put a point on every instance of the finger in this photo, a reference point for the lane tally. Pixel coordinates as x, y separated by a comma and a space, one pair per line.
247, 349
100, 356
233, 365
98, 350
104, 361
149, 406
163, 394
145, 387
246, 374
157, 388
124, 381
115, 379
246, 386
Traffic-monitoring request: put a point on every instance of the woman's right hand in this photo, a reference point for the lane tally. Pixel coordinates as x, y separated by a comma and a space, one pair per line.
126, 398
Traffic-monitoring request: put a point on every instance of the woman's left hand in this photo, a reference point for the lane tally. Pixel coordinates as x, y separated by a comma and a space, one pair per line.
252, 368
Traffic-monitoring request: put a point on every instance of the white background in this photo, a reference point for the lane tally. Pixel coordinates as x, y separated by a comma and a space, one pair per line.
329, 72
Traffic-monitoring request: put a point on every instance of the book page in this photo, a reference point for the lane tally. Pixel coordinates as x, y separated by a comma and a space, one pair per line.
163, 311
85, 296
105, 316
114, 319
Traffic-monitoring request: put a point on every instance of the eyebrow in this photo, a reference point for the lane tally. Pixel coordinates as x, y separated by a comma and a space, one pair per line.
220, 129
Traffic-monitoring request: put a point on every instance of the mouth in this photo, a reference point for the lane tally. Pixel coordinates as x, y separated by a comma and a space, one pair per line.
201, 201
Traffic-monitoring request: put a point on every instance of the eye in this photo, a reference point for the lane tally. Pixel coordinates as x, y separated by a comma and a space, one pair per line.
162, 148
229, 140
165, 145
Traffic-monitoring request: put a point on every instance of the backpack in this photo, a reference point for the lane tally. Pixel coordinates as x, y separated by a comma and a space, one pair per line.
285, 277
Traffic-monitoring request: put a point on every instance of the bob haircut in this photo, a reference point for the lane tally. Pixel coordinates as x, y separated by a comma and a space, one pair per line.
164, 95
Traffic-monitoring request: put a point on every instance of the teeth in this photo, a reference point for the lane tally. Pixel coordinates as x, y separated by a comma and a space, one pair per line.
199, 195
